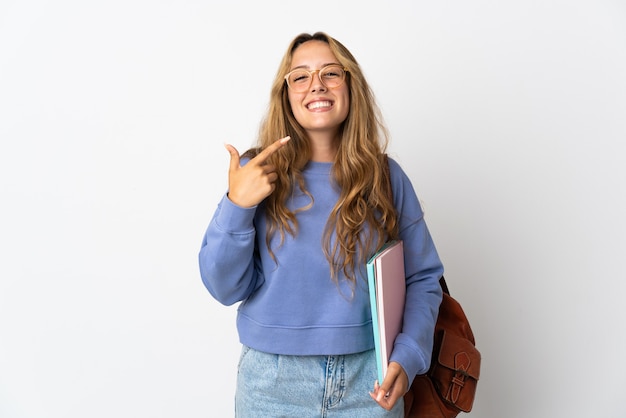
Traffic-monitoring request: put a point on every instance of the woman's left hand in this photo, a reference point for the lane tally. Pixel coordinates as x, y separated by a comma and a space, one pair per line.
395, 385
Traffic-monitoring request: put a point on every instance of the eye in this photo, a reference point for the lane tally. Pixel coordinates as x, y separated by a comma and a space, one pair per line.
332, 72
299, 77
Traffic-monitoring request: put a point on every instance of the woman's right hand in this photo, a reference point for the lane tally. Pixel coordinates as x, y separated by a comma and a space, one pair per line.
250, 184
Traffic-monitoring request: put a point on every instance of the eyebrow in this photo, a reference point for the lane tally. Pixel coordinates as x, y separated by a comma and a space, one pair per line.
307, 67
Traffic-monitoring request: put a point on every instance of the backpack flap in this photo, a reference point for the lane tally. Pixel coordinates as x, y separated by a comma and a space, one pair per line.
456, 373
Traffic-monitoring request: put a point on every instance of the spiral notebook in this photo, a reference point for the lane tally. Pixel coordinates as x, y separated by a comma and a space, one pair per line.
387, 288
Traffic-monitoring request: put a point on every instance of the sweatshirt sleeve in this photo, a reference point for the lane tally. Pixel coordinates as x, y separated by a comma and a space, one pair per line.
226, 257
423, 269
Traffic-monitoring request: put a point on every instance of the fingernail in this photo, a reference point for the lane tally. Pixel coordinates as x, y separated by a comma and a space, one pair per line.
285, 139
380, 395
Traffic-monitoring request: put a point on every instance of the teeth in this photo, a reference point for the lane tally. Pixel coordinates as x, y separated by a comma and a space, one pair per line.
317, 105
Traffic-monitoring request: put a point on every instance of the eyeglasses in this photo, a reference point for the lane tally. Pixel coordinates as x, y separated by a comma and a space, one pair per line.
332, 76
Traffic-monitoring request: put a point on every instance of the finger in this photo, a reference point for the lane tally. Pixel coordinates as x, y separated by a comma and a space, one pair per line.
234, 156
393, 387
386, 402
385, 399
268, 168
378, 394
385, 388
272, 177
276, 145
381, 396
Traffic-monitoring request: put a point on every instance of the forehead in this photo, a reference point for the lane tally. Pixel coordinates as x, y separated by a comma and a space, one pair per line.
313, 54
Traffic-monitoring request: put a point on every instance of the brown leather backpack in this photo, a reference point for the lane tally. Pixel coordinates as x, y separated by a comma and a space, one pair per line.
449, 386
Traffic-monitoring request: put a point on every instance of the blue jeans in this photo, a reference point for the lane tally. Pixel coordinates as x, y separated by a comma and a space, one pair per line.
273, 386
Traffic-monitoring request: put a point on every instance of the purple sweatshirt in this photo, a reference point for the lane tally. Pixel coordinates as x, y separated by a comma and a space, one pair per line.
291, 305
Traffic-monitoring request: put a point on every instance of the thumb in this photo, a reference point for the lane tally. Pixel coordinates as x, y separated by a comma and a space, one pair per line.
234, 156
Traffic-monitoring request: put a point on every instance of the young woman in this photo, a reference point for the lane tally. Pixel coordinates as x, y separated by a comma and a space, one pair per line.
303, 213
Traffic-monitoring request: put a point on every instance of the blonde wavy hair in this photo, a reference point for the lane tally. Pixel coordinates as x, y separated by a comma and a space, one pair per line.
363, 218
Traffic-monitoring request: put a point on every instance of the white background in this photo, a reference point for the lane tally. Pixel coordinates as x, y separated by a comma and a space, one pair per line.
509, 116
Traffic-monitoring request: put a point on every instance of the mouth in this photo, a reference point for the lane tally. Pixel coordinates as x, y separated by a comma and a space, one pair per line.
320, 104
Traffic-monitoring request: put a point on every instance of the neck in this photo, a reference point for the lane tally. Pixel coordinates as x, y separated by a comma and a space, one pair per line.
323, 147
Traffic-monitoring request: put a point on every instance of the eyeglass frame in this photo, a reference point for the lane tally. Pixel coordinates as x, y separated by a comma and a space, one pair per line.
343, 80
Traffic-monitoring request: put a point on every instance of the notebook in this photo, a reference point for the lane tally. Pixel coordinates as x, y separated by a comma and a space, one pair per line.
387, 288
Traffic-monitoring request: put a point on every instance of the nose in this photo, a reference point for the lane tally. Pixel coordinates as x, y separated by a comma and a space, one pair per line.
316, 83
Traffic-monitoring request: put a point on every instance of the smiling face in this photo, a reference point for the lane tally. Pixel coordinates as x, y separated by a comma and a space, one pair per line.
319, 110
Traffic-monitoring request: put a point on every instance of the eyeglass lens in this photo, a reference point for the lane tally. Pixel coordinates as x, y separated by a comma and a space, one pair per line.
331, 76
